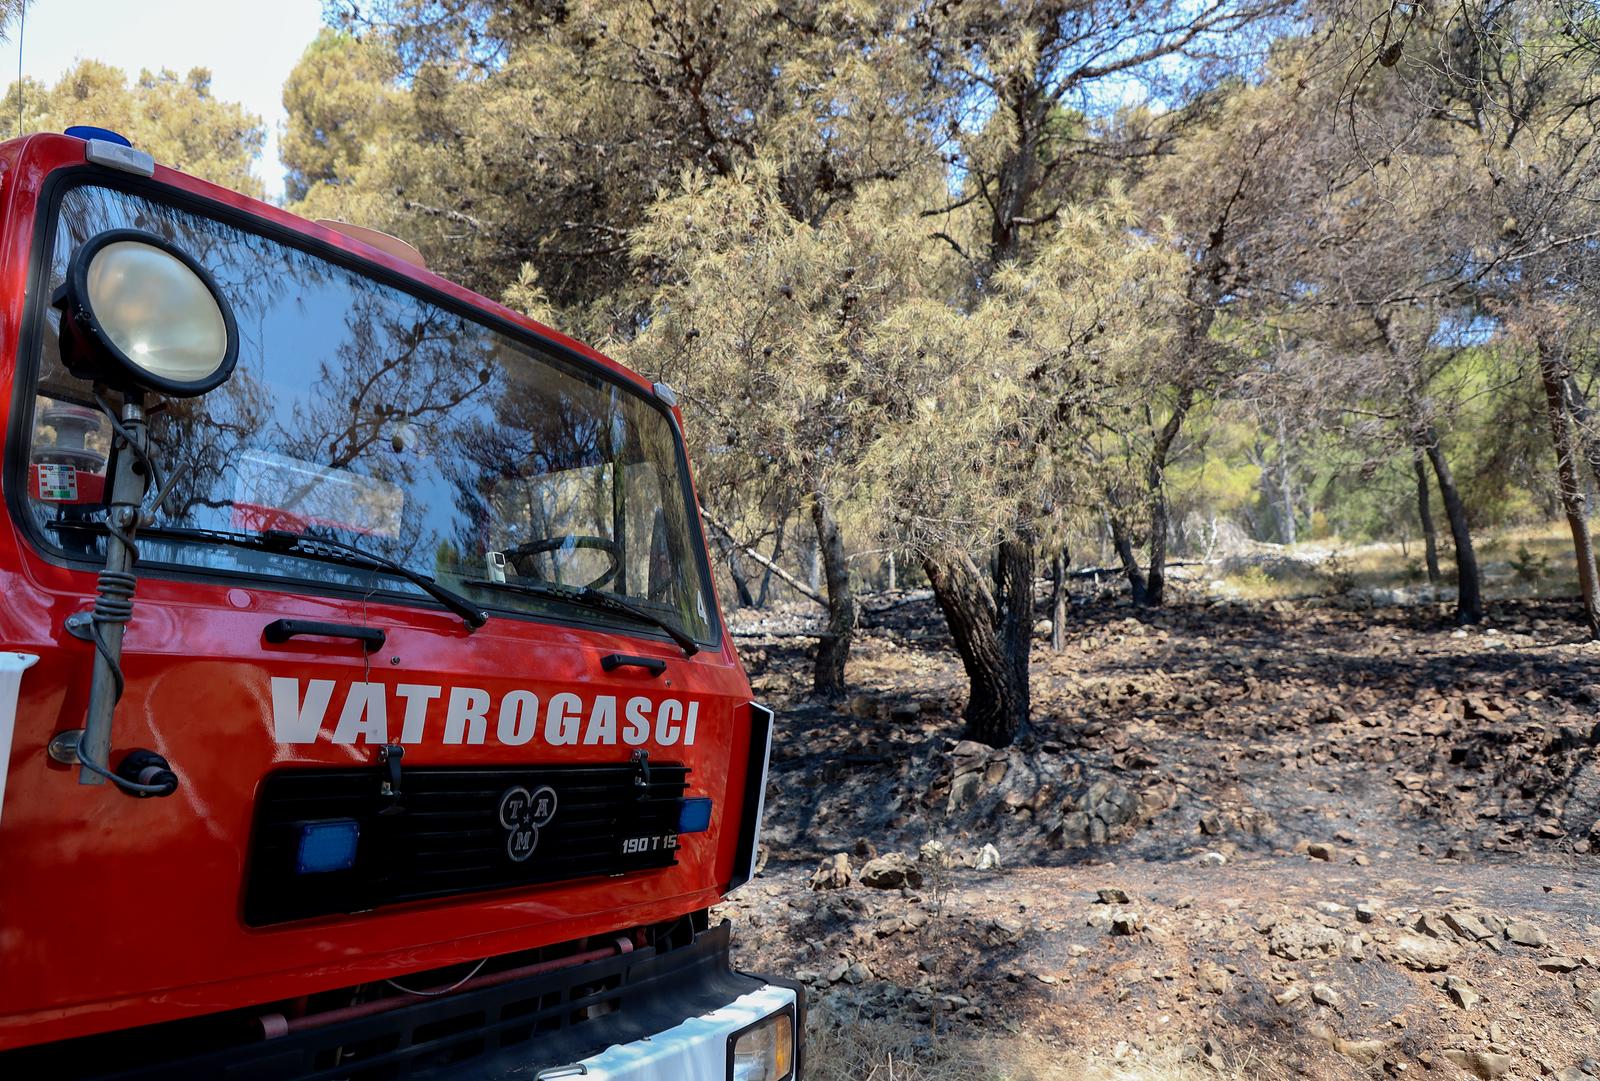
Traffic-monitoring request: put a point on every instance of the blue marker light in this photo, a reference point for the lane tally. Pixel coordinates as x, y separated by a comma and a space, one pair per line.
89, 131
695, 816
327, 846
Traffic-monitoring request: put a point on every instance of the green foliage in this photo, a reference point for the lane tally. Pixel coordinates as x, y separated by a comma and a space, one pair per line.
175, 118
1529, 566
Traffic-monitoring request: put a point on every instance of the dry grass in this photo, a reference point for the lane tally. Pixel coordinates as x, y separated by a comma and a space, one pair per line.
845, 1049
1533, 561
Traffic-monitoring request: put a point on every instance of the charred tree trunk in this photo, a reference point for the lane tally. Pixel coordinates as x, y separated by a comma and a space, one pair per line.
1156, 482
1570, 485
1129, 561
983, 629
1469, 579
1058, 600
1583, 421
1430, 534
777, 553
741, 585
833, 650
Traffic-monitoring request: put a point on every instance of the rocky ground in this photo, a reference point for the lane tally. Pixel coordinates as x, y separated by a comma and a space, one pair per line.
1275, 840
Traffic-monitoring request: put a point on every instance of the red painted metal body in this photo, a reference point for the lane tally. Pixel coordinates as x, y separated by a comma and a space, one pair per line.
117, 912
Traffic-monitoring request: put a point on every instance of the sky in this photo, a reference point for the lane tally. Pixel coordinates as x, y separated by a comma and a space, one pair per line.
250, 48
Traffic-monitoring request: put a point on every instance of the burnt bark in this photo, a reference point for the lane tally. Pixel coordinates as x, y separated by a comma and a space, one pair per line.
1469, 579
1430, 532
1156, 482
1058, 600
1570, 486
741, 584
984, 628
1583, 422
1129, 561
833, 649
777, 553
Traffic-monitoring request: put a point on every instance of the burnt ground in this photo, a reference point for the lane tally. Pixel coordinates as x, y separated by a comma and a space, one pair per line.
1347, 842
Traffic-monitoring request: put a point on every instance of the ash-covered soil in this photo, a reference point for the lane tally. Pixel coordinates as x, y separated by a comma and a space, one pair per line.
1279, 838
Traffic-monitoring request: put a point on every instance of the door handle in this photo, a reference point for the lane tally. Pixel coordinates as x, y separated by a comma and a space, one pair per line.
612, 661
281, 630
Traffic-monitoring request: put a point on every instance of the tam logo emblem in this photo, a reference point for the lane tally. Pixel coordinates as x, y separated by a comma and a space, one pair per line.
523, 814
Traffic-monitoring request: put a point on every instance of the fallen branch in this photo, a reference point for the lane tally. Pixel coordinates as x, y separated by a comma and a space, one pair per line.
789, 579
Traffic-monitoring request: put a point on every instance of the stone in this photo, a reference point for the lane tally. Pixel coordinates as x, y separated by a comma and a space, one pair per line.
1467, 926
1320, 850
834, 874
1525, 934
1111, 896
1488, 1065
1573, 1073
988, 858
891, 872
1126, 923
1288, 995
1323, 995
1461, 992
1366, 912
1559, 964
1592, 1004
1213, 977
1297, 940
1434, 927
933, 852
1423, 954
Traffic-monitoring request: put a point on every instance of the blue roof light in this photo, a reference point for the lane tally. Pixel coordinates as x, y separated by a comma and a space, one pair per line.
89, 131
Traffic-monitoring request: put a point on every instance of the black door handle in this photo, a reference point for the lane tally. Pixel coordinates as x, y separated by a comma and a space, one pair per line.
612, 661
281, 630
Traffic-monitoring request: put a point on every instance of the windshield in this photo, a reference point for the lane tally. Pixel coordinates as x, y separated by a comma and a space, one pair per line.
361, 413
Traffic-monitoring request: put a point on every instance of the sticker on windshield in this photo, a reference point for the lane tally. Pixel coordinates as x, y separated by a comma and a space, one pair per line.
58, 483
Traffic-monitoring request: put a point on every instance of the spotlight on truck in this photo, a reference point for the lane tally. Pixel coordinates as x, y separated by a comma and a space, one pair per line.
139, 313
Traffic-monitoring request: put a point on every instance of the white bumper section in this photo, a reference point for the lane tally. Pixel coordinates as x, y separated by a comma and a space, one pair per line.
696, 1050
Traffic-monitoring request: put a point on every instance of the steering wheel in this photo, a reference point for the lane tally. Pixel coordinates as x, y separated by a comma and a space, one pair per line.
515, 556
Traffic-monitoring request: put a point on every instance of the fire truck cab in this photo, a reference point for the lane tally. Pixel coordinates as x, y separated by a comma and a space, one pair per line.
365, 707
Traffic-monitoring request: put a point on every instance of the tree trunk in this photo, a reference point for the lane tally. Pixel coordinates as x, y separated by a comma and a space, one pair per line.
1130, 562
834, 647
1570, 486
777, 553
1286, 528
1430, 534
893, 584
1583, 420
1156, 483
1058, 600
741, 584
997, 706
1469, 580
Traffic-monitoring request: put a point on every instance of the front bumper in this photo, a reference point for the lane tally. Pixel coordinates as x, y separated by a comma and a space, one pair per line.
696, 1050
639, 1016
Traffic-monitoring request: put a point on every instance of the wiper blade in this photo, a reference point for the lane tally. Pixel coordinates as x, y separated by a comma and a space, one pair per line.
328, 551
589, 597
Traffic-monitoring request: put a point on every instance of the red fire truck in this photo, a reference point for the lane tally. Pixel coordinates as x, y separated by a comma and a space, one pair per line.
365, 708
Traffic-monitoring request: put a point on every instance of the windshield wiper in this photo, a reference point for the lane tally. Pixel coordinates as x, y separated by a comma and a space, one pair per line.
328, 551
589, 597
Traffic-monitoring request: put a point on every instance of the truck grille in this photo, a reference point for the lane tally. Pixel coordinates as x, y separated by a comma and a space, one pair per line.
451, 830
